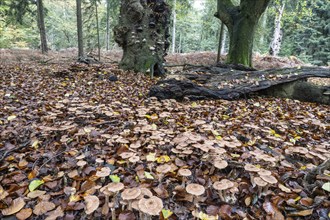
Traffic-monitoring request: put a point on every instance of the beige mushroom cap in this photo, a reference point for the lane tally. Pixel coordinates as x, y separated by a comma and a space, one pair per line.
264, 172
269, 179
220, 164
163, 168
251, 168
131, 193
115, 187
105, 171
259, 182
184, 172
195, 189
151, 206
223, 184
126, 155
134, 159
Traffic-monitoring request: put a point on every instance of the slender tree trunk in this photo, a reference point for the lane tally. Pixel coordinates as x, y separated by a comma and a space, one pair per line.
263, 26
174, 26
223, 43
98, 32
220, 42
108, 26
42, 29
142, 32
275, 45
79, 29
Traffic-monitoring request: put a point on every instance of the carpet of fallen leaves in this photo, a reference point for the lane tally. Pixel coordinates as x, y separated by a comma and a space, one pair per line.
86, 142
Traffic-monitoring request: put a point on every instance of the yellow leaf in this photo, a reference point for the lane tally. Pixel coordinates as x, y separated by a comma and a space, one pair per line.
151, 157
215, 133
121, 161
115, 178
194, 104
154, 126
163, 159
225, 117
326, 186
166, 213
12, 117
235, 155
218, 137
303, 168
74, 198
35, 144
15, 207
148, 175
148, 116
35, 184
297, 199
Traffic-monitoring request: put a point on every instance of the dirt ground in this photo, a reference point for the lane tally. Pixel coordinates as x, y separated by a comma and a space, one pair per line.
67, 56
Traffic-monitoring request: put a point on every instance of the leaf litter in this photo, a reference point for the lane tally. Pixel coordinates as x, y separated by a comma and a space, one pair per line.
67, 132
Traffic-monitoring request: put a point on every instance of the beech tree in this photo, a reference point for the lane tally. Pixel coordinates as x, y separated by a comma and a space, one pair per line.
41, 25
241, 21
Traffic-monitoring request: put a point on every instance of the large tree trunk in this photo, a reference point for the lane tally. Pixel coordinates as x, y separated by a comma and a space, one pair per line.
241, 22
42, 29
142, 32
275, 45
79, 29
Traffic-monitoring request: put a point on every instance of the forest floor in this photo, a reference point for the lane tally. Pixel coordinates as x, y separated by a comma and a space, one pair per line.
69, 133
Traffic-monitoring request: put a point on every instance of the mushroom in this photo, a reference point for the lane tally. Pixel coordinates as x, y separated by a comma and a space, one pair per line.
111, 189
150, 207
264, 172
126, 155
129, 195
221, 187
104, 172
184, 173
219, 164
162, 170
251, 168
195, 190
262, 185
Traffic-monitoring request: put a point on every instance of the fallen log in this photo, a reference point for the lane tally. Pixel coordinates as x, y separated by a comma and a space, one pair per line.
221, 83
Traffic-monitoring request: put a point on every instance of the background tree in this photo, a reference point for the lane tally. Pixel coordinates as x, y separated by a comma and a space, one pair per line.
41, 25
241, 21
79, 29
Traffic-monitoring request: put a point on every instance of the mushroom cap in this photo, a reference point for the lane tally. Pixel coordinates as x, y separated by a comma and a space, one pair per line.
151, 206
223, 184
195, 189
251, 168
259, 182
115, 187
163, 168
134, 159
269, 179
105, 171
264, 172
184, 172
131, 193
220, 164
126, 155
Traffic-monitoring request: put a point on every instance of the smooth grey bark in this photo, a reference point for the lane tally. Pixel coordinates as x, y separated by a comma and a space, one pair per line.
275, 45
142, 32
220, 42
108, 26
174, 26
98, 32
42, 29
80, 29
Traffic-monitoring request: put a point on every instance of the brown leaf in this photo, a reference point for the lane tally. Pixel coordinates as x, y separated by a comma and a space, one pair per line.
24, 214
272, 211
53, 215
43, 207
301, 213
126, 215
92, 203
16, 206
